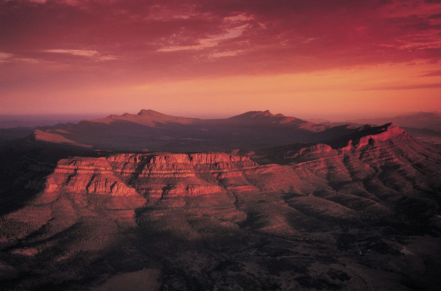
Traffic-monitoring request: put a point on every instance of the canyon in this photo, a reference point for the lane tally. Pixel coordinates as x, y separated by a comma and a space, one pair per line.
358, 210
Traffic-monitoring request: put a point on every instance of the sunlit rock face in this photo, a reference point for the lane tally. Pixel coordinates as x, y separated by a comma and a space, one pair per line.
372, 173
88, 175
156, 213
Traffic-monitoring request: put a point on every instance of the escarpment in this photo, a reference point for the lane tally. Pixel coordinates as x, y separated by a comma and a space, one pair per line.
385, 159
167, 175
88, 175
378, 173
374, 169
284, 201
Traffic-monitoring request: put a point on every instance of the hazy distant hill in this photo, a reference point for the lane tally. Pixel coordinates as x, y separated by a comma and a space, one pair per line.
33, 120
153, 131
426, 126
428, 120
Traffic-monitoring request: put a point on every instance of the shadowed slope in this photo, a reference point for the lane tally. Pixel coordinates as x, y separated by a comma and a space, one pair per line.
153, 131
146, 117
428, 120
312, 216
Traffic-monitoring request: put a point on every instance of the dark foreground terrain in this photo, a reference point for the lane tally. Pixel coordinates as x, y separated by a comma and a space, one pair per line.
360, 211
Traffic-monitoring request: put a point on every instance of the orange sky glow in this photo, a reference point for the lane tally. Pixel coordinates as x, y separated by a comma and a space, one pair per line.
309, 58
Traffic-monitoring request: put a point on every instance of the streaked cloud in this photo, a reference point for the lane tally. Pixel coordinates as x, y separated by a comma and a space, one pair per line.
81, 53
431, 74
405, 87
127, 43
303, 33
5, 57
209, 42
225, 54
231, 27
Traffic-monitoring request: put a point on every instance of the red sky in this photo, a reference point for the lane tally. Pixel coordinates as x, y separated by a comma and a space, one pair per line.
307, 58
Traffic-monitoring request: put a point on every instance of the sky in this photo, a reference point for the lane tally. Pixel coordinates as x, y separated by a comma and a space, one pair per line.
335, 60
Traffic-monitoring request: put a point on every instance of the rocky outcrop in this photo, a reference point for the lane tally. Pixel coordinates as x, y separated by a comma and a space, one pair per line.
392, 135
170, 175
309, 169
370, 177
84, 175
125, 181
312, 204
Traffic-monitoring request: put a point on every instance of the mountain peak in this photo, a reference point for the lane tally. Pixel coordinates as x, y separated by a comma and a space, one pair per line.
145, 112
265, 113
146, 117
257, 114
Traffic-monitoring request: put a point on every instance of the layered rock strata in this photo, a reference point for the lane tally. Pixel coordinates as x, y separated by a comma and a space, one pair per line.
371, 174
278, 205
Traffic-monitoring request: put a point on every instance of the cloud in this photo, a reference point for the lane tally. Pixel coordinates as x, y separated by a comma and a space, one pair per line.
225, 54
230, 27
404, 87
435, 16
209, 42
107, 58
181, 39
432, 74
4, 57
69, 2
81, 53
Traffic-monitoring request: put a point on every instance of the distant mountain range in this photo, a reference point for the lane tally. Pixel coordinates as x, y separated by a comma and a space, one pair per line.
153, 131
426, 120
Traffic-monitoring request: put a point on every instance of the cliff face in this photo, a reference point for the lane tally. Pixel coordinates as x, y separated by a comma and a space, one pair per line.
171, 175
117, 185
373, 171
133, 204
84, 175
